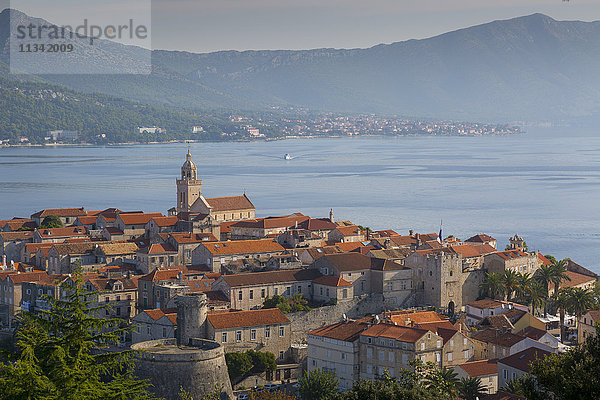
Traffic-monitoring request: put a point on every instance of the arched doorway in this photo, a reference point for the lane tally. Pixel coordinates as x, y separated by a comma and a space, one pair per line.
451, 308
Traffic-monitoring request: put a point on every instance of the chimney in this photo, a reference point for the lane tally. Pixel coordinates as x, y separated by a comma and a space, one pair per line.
411, 232
331, 215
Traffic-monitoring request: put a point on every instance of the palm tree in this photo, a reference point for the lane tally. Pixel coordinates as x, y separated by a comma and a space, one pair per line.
562, 302
471, 388
536, 296
524, 283
444, 380
559, 273
509, 283
491, 285
545, 276
580, 301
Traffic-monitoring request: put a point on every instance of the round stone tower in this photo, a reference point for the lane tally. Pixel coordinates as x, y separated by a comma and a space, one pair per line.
197, 368
191, 317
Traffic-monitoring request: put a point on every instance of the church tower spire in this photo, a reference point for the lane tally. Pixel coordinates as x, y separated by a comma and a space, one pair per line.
189, 187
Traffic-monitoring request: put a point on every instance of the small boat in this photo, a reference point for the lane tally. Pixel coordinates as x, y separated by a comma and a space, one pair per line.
287, 156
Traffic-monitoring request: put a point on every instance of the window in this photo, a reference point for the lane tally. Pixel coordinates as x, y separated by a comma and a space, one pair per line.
28, 291
118, 298
391, 356
343, 356
251, 295
314, 363
451, 342
262, 293
281, 354
224, 337
390, 286
381, 355
299, 289
369, 369
437, 357
466, 353
253, 334
328, 353
40, 292
118, 309
238, 336
281, 331
369, 352
164, 332
464, 341
240, 295
505, 372
276, 291
267, 332
222, 260
321, 291
439, 343
345, 293
450, 356
422, 346
106, 299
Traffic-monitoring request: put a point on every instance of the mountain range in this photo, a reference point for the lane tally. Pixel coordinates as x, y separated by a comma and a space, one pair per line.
530, 68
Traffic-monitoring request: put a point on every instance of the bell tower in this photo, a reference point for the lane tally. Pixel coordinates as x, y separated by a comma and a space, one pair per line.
189, 188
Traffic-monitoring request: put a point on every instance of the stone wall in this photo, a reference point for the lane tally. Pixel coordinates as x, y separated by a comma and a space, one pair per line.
305, 321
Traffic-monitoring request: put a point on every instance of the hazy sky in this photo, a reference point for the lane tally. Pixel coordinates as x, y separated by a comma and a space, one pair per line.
208, 25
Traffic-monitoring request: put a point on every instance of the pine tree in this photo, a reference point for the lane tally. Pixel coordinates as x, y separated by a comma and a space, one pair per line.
63, 354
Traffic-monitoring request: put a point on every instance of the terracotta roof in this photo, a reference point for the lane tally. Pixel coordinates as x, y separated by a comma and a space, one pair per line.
532, 333
74, 248
480, 238
510, 254
216, 297
595, 315
344, 262
243, 247
496, 322
391, 254
33, 247
496, 337
10, 236
137, 218
161, 275
185, 237
404, 318
379, 264
334, 281
387, 232
347, 331
401, 333
165, 221
262, 278
480, 368
20, 277
157, 313
271, 222
103, 284
470, 250
158, 248
349, 230
117, 248
573, 266
230, 203
317, 224
87, 220
349, 246
576, 279
522, 360
226, 226
16, 224
200, 285
113, 231
60, 212
318, 252
485, 303
403, 241
543, 260
239, 319
62, 232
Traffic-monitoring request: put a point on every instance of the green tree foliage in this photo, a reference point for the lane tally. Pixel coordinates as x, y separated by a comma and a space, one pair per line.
287, 305
271, 395
60, 355
318, 385
470, 388
573, 375
51, 221
240, 364
491, 286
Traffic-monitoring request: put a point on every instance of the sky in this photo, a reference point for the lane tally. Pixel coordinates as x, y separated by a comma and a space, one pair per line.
212, 25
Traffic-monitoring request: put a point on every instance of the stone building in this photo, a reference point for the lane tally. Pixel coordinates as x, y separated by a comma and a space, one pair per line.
67, 215
354, 268
265, 330
265, 227
217, 209
58, 235
485, 370
217, 255
250, 290
586, 325
155, 256
386, 346
133, 225
518, 364
335, 348
119, 294
154, 324
11, 244
515, 260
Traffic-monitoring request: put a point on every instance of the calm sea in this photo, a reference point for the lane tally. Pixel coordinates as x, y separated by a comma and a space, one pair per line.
543, 185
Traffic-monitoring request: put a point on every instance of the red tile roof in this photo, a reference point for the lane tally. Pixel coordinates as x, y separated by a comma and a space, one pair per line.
349, 246
532, 333
404, 318
239, 319
60, 212
480, 238
165, 221
350, 230
400, 333
159, 248
346, 331
271, 222
576, 279
522, 360
185, 237
511, 254
137, 218
317, 224
485, 303
262, 278
63, 232
480, 368
230, 203
333, 281
543, 260
344, 262
469, 250
10, 236
243, 247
